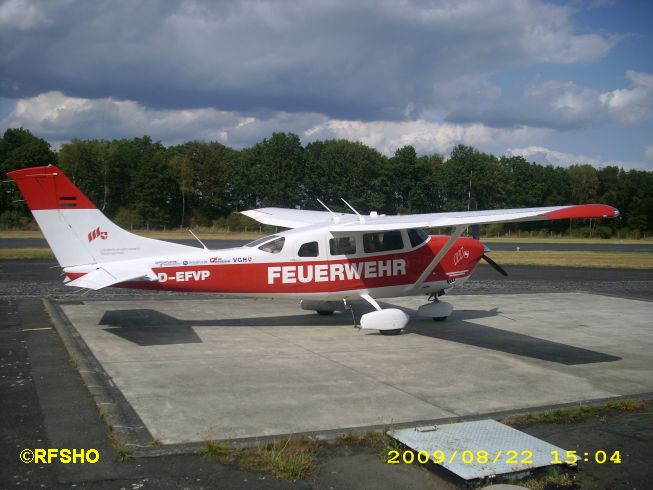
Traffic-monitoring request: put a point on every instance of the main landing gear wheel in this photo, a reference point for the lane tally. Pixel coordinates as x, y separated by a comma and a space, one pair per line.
324, 312
439, 318
390, 332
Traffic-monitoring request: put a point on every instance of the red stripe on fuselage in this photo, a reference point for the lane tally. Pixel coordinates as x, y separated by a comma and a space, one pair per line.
326, 276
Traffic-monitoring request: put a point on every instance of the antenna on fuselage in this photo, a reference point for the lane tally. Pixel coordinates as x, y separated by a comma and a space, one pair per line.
201, 242
360, 218
335, 218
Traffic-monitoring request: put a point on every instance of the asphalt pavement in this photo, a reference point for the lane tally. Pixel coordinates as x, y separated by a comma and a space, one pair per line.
36, 278
45, 403
608, 246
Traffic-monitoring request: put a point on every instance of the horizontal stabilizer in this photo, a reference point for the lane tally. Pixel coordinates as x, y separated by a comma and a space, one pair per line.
103, 277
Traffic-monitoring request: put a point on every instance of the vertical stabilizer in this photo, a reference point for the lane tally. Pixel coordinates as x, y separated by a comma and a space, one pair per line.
77, 232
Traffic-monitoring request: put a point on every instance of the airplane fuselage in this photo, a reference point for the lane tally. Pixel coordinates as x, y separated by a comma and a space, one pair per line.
250, 270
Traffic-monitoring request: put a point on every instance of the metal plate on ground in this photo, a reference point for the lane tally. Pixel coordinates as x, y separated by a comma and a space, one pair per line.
479, 449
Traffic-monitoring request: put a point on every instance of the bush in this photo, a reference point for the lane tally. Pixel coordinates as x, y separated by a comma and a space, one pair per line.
126, 218
603, 232
14, 219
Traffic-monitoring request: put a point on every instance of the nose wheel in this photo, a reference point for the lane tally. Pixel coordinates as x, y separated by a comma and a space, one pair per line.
438, 310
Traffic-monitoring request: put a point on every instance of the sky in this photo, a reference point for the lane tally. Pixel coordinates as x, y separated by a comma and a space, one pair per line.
558, 82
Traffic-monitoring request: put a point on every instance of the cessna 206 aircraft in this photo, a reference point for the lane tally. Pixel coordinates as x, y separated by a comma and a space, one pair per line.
325, 259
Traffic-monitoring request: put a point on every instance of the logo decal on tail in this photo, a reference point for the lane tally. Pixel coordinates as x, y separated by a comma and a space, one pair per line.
97, 233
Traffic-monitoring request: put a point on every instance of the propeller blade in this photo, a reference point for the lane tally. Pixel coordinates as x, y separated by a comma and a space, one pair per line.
494, 265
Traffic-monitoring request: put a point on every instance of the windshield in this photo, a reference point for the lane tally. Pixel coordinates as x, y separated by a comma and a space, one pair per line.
260, 240
273, 247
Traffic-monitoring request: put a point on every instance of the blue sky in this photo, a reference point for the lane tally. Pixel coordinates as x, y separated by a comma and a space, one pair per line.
558, 82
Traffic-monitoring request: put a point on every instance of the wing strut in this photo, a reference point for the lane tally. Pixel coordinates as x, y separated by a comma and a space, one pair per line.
333, 215
436, 260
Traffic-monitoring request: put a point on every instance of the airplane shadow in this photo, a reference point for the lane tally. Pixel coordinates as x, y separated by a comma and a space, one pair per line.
147, 327
457, 328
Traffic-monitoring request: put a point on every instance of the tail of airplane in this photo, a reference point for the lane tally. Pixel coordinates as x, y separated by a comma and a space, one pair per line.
77, 232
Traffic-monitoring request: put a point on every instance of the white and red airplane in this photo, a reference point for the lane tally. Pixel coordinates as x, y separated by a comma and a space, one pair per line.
325, 259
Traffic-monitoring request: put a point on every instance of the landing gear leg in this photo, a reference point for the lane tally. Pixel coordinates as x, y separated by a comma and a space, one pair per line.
350, 308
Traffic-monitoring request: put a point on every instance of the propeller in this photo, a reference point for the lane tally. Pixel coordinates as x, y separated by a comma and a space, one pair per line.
494, 265
475, 231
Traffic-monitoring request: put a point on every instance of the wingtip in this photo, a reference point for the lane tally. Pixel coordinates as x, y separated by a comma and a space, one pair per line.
581, 211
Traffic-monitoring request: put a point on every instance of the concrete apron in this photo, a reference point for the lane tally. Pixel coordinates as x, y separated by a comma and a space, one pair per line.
196, 370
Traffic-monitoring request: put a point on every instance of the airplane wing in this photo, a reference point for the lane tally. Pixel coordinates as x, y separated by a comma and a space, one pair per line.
295, 218
105, 276
291, 218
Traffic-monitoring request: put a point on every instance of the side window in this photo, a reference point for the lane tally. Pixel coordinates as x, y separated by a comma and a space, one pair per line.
416, 237
345, 245
382, 242
273, 247
309, 249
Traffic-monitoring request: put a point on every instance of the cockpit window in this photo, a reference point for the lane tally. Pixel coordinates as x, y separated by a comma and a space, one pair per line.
382, 242
273, 247
309, 249
260, 240
416, 237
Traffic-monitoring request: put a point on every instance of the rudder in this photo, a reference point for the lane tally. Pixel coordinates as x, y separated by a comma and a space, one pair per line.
77, 232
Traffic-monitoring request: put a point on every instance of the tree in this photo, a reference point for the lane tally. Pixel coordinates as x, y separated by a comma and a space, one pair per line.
19, 148
350, 170
473, 179
584, 183
86, 164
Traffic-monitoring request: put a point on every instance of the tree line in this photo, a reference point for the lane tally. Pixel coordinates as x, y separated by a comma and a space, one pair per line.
141, 183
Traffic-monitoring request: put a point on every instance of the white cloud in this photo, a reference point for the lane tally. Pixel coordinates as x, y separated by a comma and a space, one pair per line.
631, 105
567, 105
58, 117
547, 156
426, 137
21, 14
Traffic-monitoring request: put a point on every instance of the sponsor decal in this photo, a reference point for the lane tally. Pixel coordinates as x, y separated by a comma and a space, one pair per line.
241, 260
118, 251
184, 276
292, 274
460, 254
97, 233
218, 260
166, 263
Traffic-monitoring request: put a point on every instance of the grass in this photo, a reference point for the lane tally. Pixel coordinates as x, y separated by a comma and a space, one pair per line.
576, 414
370, 438
554, 477
253, 235
555, 258
557, 239
161, 235
612, 260
72, 362
292, 459
26, 253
